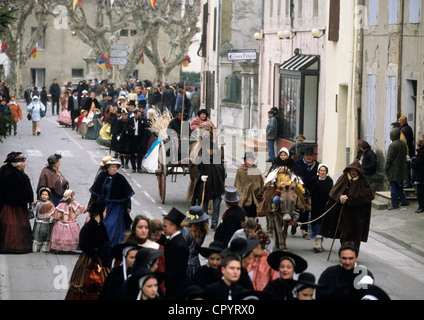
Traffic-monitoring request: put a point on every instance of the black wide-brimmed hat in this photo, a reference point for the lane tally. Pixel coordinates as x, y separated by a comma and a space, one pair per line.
118, 250
275, 258
371, 292
195, 215
306, 280
214, 247
175, 216
231, 195
145, 257
240, 246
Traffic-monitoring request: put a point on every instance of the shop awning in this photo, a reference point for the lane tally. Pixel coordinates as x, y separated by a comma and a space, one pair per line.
301, 62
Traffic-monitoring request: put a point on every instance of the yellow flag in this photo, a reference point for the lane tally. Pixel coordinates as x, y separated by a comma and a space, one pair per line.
34, 53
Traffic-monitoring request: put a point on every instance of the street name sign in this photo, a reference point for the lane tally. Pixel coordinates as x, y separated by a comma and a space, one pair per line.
118, 53
233, 55
118, 61
119, 47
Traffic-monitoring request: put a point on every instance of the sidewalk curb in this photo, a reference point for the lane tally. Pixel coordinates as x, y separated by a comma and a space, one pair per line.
411, 247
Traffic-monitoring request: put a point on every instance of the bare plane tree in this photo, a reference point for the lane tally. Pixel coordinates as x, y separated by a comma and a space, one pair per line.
19, 51
176, 19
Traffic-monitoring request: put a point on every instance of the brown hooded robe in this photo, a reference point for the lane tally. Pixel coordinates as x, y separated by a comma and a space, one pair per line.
356, 214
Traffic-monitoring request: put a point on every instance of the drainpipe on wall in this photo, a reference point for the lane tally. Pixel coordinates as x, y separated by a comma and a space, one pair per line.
400, 58
260, 68
218, 65
359, 69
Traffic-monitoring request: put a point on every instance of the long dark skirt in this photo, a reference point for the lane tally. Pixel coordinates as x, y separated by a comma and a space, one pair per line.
77, 289
15, 230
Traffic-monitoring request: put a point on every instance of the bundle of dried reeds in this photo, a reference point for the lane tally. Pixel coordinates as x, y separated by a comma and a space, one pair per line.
159, 124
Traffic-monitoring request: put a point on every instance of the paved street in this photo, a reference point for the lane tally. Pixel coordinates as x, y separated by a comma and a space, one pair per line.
42, 276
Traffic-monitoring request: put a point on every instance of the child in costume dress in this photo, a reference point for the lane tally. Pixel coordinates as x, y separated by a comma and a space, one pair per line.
43, 209
82, 123
64, 117
65, 233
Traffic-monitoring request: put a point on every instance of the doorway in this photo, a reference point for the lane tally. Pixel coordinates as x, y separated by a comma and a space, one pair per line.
411, 103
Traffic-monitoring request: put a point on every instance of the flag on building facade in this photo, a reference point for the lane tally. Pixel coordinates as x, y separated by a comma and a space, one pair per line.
4, 48
186, 61
153, 2
141, 58
75, 3
34, 53
101, 61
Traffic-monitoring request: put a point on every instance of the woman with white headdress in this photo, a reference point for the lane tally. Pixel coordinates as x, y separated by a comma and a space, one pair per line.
138, 286
126, 253
321, 186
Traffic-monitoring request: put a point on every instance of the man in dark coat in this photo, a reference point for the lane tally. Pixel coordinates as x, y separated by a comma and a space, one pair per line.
409, 136
351, 198
232, 217
210, 181
369, 158
306, 168
28, 93
135, 133
417, 164
227, 288
74, 102
342, 281
168, 99
176, 255
44, 97
396, 169
54, 91
179, 132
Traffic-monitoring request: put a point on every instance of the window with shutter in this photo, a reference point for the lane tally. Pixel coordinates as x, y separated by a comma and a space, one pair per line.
414, 11
373, 12
334, 21
370, 124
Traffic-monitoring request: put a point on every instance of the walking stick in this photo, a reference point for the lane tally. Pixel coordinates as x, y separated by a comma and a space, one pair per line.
335, 232
204, 179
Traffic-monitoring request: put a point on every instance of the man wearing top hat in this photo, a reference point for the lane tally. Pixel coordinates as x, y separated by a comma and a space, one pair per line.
136, 133
176, 255
232, 217
74, 102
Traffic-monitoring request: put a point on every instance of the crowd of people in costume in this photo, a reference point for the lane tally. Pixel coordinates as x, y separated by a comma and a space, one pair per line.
139, 258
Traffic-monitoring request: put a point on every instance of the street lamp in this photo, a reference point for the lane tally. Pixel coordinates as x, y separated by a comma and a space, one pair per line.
316, 33
257, 36
286, 34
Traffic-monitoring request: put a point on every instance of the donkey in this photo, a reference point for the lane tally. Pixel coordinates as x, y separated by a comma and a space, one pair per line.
284, 215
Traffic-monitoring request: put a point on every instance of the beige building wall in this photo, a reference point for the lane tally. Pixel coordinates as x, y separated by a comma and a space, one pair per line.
393, 53
339, 112
308, 15
63, 52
